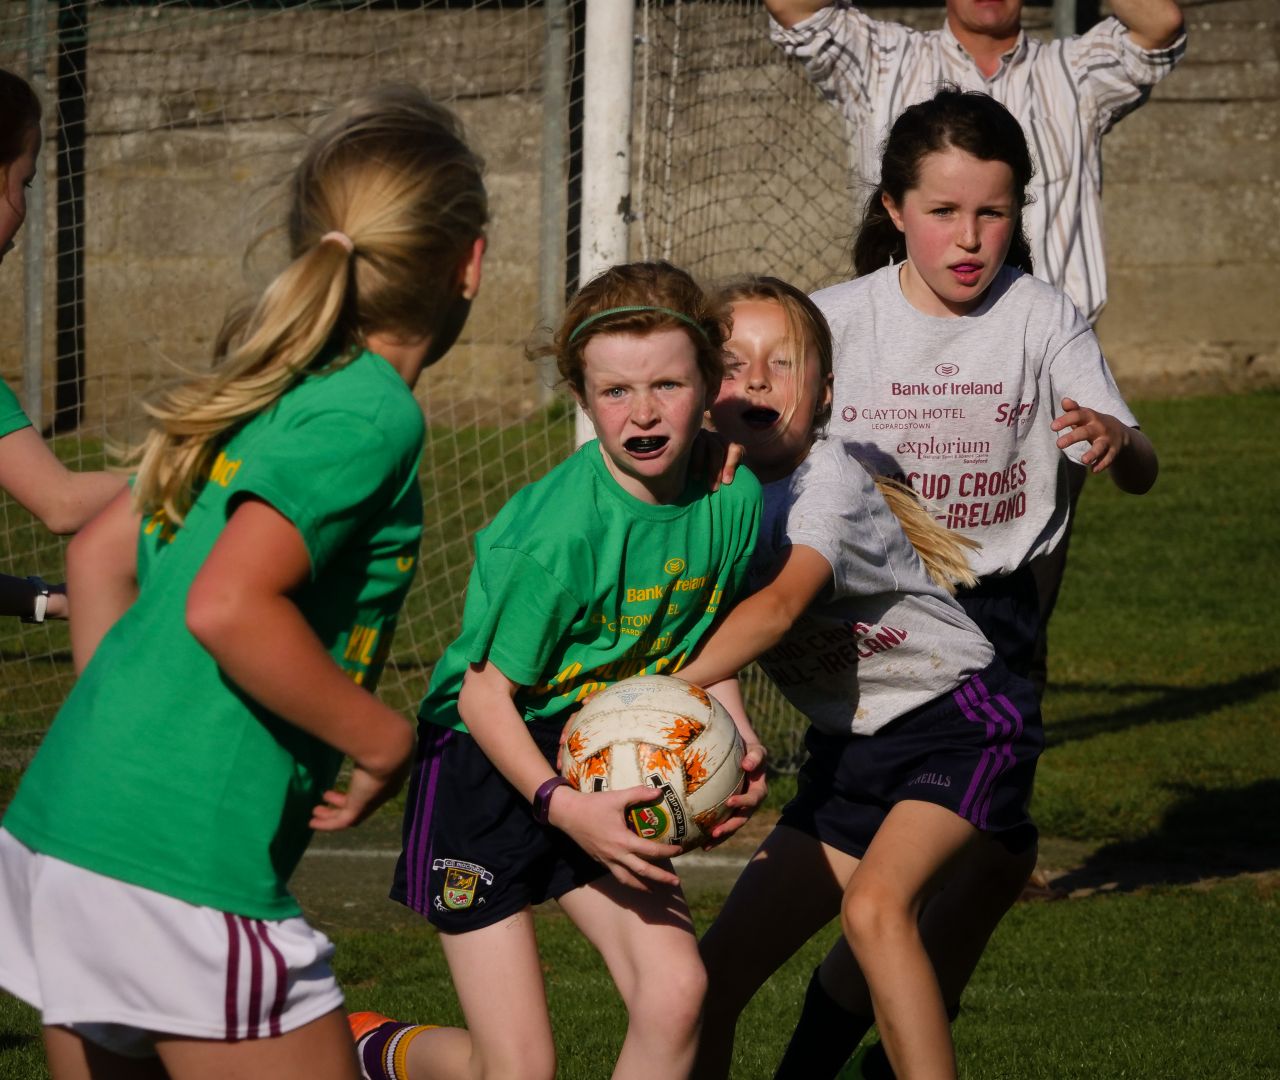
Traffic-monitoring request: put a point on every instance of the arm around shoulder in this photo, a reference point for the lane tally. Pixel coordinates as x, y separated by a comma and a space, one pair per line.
1152, 24
759, 622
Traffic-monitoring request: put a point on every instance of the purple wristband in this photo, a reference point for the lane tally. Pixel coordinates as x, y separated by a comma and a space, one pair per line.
542, 798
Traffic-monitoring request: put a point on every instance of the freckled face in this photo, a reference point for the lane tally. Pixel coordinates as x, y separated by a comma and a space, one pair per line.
958, 222
646, 396
14, 179
761, 403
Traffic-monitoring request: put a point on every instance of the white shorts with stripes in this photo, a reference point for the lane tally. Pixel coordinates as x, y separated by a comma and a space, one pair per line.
120, 964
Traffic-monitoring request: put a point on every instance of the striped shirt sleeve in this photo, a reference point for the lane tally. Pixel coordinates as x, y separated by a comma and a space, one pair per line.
1114, 75
846, 53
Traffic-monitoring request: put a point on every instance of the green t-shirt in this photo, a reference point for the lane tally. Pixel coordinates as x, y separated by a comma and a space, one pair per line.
12, 418
577, 584
158, 771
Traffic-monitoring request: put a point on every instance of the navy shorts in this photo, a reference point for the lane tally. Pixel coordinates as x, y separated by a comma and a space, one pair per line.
1007, 611
472, 854
972, 750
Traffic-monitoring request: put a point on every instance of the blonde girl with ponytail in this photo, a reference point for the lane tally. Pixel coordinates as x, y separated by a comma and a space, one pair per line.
233, 612
922, 746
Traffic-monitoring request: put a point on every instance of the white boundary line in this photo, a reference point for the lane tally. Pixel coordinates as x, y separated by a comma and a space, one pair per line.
694, 860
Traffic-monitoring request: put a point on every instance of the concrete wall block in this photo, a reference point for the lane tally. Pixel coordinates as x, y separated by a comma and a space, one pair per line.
192, 111
1193, 81
1180, 225
1218, 13
187, 218
506, 131
240, 58
453, 393
1196, 142
1245, 42
1185, 304
506, 311
1203, 367
1262, 367
150, 313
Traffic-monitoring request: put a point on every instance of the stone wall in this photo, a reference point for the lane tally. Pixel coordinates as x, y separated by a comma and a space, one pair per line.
191, 114
1191, 188
194, 116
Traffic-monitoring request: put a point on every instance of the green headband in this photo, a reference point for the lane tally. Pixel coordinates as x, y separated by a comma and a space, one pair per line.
637, 307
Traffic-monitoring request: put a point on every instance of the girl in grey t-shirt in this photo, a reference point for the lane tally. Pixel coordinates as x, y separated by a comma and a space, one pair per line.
964, 376
922, 745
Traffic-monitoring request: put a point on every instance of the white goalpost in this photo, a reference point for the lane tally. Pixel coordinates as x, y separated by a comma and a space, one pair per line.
606, 146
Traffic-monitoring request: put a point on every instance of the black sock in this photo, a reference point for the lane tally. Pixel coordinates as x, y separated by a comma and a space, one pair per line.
875, 1062
825, 1036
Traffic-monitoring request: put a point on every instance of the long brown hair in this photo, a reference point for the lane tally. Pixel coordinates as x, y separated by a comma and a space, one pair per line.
967, 120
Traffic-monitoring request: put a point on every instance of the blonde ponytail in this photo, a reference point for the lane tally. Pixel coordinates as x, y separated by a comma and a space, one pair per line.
384, 208
943, 552
279, 340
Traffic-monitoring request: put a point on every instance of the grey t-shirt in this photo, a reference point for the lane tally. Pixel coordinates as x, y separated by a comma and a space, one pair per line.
885, 638
960, 407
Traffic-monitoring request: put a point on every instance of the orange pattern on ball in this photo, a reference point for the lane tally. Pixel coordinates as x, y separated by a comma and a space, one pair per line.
683, 730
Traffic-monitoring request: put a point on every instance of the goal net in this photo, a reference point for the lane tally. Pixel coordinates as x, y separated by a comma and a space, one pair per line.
165, 124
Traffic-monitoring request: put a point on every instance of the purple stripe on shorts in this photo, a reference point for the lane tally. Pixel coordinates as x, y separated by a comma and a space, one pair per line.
1011, 722
974, 698
233, 978
962, 697
255, 980
978, 700
418, 849
277, 1003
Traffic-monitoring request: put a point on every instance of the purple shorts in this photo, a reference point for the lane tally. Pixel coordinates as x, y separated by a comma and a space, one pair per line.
972, 750
472, 854
1007, 611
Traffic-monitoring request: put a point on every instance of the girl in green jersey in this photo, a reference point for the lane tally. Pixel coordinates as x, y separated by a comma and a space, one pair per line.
232, 615
616, 563
61, 498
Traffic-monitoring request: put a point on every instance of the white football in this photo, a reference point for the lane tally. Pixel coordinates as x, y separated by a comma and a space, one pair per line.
668, 734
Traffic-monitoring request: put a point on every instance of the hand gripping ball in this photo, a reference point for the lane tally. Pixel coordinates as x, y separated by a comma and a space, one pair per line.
668, 734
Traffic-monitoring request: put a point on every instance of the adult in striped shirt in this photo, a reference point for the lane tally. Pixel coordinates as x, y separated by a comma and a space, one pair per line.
1066, 94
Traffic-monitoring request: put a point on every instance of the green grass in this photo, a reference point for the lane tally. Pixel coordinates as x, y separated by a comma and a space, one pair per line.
1165, 671
1157, 798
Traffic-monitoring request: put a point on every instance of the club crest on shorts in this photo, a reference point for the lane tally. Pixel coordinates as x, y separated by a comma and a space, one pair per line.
461, 880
